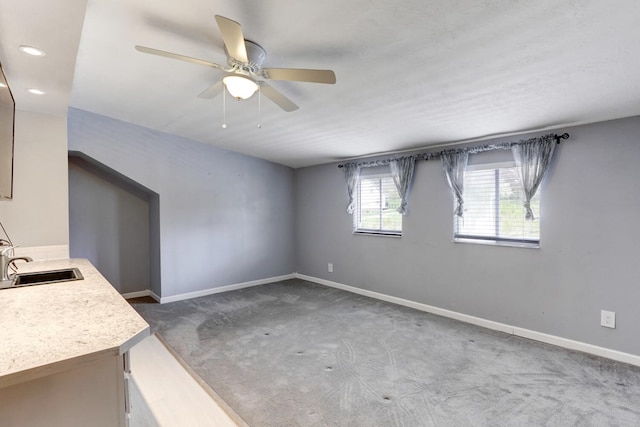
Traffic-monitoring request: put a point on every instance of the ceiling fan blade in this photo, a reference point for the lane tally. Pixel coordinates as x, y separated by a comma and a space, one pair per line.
212, 91
233, 38
158, 52
279, 99
301, 75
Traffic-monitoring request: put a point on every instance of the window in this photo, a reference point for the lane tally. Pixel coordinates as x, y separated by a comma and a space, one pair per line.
493, 208
377, 204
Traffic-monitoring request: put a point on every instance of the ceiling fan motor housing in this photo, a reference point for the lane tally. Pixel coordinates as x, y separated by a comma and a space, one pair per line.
255, 54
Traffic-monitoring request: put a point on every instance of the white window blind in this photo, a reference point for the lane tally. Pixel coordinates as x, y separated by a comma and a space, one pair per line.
493, 209
377, 204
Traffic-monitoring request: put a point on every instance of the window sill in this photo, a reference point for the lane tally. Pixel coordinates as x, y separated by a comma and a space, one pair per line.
376, 233
498, 243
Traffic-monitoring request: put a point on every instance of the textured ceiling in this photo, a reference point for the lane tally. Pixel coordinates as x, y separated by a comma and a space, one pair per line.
409, 74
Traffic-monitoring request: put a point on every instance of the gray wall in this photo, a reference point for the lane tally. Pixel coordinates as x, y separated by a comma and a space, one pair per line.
589, 236
109, 225
38, 213
225, 218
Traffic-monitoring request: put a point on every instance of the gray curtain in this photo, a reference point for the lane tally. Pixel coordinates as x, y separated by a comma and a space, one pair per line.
352, 175
533, 158
402, 173
454, 164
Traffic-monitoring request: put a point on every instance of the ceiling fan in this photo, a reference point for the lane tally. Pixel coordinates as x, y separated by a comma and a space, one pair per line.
244, 74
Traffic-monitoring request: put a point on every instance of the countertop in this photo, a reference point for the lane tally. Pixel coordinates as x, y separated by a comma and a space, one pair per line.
51, 328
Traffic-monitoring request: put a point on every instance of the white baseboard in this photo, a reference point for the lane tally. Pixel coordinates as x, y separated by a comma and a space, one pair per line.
137, 294
154, 296
514, 330
220, 289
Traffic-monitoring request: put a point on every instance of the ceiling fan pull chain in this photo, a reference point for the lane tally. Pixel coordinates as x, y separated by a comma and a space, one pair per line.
224, 109
259, 107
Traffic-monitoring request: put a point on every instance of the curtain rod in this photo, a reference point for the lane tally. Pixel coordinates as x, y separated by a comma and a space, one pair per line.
438, 153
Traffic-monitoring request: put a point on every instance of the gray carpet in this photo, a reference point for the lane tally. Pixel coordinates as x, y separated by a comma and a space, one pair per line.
300, 354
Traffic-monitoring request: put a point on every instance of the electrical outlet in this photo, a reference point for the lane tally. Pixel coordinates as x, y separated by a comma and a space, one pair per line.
330, 267
608, 319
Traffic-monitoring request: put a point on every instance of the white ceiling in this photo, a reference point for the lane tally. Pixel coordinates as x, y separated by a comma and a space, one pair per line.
410, 73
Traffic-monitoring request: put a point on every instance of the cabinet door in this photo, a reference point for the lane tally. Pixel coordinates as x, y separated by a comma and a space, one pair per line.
90, 394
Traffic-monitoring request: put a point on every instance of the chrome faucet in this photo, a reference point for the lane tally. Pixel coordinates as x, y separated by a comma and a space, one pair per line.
5, 262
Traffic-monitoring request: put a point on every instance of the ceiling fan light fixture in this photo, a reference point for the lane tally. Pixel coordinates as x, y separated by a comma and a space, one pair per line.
239, 86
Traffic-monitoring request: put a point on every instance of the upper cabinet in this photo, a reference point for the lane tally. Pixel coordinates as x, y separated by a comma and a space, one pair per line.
7, 117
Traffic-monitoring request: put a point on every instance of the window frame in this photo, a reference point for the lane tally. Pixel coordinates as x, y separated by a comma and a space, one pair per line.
497, 240
358, 213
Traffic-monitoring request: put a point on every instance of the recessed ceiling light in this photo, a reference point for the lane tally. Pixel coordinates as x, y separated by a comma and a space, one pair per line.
36, 91
2, 84
31, 50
